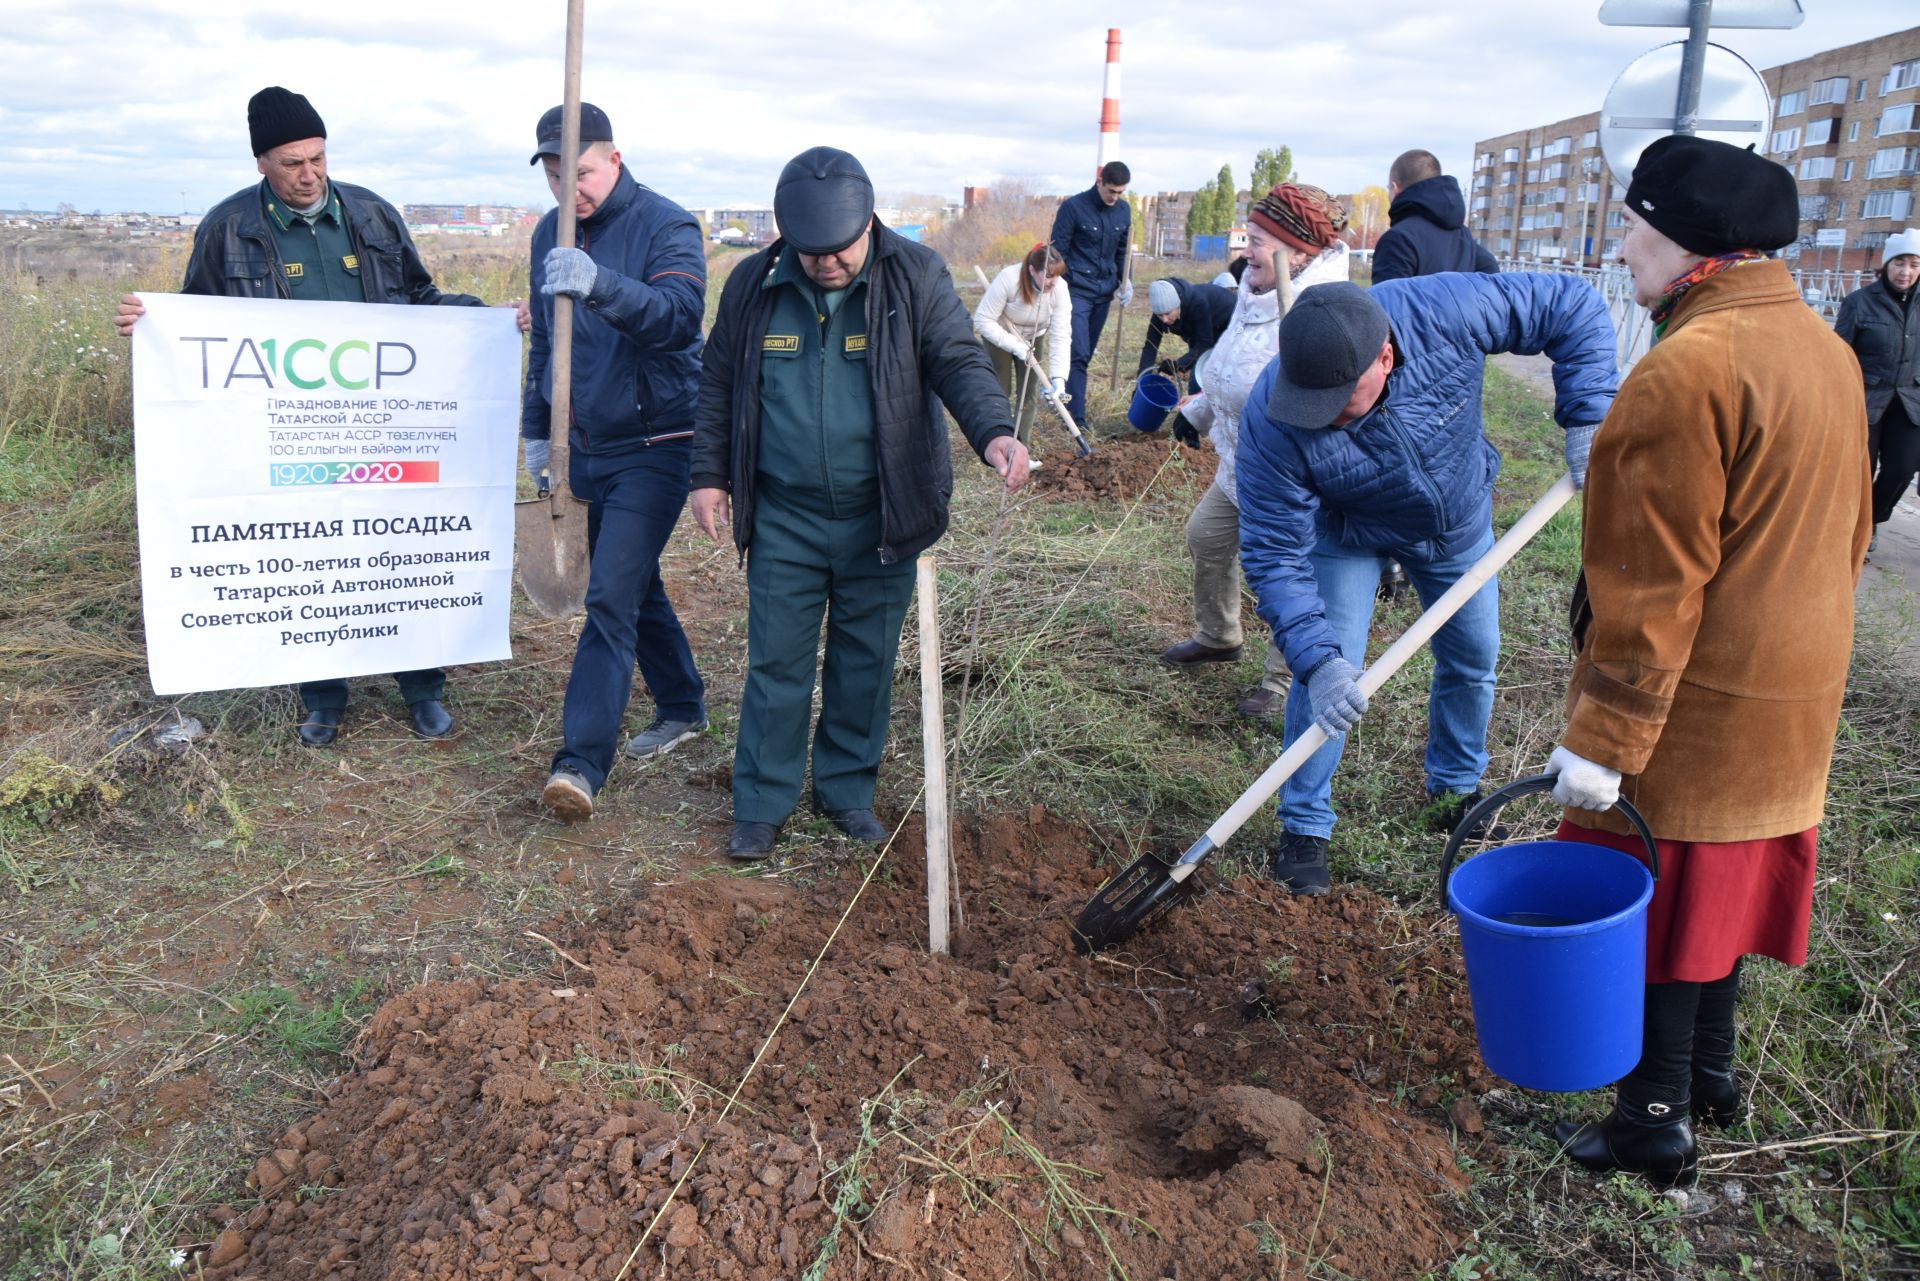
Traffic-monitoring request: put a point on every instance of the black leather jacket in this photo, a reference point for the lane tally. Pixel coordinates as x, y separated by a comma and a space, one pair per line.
235, 255
921, 352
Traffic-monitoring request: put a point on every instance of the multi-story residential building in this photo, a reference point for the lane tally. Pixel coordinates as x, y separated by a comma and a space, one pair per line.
1846, 121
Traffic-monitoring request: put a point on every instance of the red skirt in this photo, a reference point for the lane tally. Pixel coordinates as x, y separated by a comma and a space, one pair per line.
1717, 901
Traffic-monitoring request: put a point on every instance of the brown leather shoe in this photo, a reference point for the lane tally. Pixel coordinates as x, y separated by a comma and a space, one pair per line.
1191, 653
1261, 703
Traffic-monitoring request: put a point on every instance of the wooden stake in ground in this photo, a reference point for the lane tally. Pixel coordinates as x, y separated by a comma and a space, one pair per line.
933, 739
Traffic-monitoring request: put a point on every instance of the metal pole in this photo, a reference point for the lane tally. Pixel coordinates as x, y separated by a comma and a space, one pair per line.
1693, 62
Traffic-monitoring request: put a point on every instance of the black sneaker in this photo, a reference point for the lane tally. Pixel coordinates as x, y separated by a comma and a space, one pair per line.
1300, 864
1445, 810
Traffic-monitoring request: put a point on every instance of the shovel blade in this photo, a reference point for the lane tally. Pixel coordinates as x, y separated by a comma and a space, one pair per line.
1145, 891
550, 548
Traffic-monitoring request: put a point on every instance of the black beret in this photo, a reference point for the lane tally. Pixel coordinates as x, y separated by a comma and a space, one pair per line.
276, 117
1712, 197
823, 201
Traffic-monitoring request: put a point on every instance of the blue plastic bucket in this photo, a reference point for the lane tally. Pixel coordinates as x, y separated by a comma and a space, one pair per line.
1153, 396
1554, 934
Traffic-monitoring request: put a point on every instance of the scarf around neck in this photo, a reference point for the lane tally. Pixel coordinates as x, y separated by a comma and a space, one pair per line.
1662, 310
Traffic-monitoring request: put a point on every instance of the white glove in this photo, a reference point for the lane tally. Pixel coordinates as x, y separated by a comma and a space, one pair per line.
1023, 351
1124, 295
1582, 784
1056, 392
538, 452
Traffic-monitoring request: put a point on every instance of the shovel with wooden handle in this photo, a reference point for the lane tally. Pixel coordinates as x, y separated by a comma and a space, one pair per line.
1150, 886
550, 531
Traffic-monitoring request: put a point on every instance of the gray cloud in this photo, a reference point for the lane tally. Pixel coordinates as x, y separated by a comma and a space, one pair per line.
114, 105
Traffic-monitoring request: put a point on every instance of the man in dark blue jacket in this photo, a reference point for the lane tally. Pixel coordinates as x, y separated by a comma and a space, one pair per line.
1188, 310
1363, 440
1092, 233
639, 285
1429, 232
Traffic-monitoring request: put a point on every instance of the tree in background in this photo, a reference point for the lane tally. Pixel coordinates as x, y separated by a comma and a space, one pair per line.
1271, 168
1213, 207
1368, 217
999, 230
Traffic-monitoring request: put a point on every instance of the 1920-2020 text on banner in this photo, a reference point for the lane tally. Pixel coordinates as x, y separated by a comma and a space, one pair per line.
325, 489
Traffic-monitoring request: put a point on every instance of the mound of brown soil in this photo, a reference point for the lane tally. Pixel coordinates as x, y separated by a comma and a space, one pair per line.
1123, 467
1232, 1097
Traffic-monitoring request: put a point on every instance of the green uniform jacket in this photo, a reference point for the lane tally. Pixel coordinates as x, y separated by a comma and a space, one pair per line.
920, 346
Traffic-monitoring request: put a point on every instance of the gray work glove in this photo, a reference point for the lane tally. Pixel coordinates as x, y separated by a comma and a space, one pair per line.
1582, 784
1124, 294
1338, 703
1055, 392
538, 452
570, 272
1579, 445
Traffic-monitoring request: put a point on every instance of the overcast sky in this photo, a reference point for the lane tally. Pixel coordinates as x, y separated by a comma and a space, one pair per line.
112, 105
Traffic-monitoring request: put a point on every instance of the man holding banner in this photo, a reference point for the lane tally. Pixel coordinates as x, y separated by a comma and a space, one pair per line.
639, 285
299, 235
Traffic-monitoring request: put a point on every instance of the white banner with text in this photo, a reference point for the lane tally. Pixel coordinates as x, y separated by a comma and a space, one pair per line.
325, 489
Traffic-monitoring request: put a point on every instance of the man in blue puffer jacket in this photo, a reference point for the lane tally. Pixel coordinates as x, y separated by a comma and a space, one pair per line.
639, 283
1363, 440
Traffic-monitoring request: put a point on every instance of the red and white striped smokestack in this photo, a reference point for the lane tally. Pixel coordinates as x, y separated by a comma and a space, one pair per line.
1110, 104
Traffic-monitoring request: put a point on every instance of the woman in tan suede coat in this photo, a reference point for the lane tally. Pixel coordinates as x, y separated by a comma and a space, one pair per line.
1727, 514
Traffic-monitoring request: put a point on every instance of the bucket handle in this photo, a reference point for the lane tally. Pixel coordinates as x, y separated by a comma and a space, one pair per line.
1486, 809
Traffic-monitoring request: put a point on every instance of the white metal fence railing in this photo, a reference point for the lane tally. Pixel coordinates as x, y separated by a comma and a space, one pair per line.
1822, 290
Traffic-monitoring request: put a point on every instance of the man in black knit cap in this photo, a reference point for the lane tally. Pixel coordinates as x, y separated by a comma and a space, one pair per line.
300, 235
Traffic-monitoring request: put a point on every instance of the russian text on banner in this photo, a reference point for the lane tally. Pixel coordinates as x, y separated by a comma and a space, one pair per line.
325, 489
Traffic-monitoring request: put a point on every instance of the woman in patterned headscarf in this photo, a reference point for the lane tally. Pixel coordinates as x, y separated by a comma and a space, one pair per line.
1293, 244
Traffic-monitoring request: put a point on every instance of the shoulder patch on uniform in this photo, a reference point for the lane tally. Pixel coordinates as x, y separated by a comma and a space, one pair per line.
780, 342
351, 262
295, 270
856, 342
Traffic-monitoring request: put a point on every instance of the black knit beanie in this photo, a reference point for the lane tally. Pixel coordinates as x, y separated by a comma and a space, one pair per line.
276, 117
1712, 197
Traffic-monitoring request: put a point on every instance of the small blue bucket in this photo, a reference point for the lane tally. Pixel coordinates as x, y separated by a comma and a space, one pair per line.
1554, 934
1153, 396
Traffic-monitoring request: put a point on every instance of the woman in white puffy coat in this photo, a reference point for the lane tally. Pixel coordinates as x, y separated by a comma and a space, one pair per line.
1028, 312
1294, 228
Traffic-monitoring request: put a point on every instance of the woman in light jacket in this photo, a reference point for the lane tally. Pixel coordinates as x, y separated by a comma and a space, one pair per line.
1881, 323
1027, 313
1295, 229
1726, 518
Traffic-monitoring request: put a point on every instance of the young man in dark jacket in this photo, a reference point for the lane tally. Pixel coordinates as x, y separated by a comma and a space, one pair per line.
301, 235
1092, 232
819, 433
639, 285
1188, 310
1429, 216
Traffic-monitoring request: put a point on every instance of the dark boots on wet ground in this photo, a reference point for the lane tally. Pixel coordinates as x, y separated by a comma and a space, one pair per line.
1716, 1094
1649, 1131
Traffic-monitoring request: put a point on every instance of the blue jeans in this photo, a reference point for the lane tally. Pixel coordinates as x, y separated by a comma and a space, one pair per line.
1459, 703
1089, 318
634, 501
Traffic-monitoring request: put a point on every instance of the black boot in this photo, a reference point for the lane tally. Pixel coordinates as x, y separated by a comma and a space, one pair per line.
1716, 1095
1648, 1132
1658, 1147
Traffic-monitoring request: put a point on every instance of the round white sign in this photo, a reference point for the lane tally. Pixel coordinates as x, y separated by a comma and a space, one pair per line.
1734, 104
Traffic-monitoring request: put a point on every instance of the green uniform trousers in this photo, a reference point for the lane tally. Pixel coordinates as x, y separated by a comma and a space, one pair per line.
801, 566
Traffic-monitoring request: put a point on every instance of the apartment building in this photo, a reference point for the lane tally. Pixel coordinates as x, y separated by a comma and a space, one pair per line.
1846, 121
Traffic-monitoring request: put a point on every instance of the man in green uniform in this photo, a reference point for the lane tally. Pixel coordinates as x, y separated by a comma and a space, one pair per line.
817, 432
302, 236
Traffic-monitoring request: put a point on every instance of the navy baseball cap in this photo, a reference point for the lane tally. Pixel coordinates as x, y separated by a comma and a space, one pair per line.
594, 127
1327, 341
